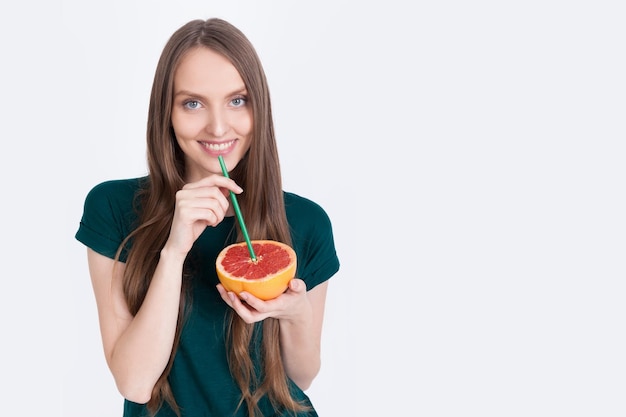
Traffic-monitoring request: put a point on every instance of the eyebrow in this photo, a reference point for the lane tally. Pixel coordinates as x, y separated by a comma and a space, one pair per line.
241, 90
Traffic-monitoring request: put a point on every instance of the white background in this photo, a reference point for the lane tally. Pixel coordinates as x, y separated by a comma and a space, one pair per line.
470, 155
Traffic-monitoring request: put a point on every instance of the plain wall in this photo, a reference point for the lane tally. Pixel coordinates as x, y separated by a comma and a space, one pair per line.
470, 155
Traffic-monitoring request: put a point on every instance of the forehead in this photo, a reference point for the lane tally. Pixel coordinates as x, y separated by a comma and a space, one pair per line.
203, 68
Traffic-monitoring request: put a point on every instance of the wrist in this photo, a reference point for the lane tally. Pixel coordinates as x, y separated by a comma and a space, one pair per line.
300, 317
170, 255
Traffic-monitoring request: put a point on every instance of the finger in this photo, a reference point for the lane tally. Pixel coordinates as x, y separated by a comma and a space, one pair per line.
254, 302
196, 196
247, 313
207, 216
231, 299
224, 294
297, 285
215, 181
218, 203
195, 203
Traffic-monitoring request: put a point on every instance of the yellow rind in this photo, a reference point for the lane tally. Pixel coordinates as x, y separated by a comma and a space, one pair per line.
264, 288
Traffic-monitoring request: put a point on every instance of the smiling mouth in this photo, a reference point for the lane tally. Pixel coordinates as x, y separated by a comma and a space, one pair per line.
218, 147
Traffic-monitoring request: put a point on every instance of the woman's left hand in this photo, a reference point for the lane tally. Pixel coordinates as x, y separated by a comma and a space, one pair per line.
289, 305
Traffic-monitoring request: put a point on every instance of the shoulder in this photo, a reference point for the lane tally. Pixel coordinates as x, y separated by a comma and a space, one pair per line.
307, 219
312, 239
298, 206
109, 214
118, 188
113, 204
305, 216
118, 194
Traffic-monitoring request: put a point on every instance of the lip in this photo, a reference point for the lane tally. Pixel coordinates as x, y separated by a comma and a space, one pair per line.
216, 148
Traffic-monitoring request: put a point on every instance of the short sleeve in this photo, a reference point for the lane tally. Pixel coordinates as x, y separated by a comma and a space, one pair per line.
313, 240
108, 217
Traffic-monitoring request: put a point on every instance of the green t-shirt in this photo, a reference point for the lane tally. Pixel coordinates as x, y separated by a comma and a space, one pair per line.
200, 377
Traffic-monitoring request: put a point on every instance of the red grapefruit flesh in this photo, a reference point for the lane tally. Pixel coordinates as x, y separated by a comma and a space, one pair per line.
265, 278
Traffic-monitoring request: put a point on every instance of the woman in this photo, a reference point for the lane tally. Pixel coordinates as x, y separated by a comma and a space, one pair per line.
176, 342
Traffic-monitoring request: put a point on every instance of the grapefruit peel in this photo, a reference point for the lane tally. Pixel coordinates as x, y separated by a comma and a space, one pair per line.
266, 278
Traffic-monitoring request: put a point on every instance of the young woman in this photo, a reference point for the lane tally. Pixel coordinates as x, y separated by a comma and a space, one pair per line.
176, 342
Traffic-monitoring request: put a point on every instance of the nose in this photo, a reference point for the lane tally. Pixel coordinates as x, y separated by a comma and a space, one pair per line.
217, 123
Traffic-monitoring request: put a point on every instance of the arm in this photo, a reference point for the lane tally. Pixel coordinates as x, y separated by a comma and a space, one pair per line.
300, 338
138, 348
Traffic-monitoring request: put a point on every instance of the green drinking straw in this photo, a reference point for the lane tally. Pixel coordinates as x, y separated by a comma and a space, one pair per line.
233, 198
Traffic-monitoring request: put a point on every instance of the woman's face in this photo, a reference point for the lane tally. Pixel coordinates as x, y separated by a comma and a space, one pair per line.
210, 113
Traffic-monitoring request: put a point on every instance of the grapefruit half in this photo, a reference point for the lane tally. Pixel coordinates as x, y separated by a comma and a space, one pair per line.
265, 278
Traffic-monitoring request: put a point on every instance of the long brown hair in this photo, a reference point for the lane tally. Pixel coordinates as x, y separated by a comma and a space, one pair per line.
262, 205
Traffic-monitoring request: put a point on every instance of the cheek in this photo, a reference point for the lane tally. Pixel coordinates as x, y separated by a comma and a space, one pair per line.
243, 124
184, 126
176, 123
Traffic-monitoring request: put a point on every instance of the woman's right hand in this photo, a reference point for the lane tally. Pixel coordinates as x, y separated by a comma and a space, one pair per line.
198, 205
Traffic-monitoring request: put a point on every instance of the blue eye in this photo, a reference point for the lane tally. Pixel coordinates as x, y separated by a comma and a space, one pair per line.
239, 101
191, 104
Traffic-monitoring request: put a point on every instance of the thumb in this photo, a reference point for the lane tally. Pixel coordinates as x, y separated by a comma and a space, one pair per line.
296, 284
